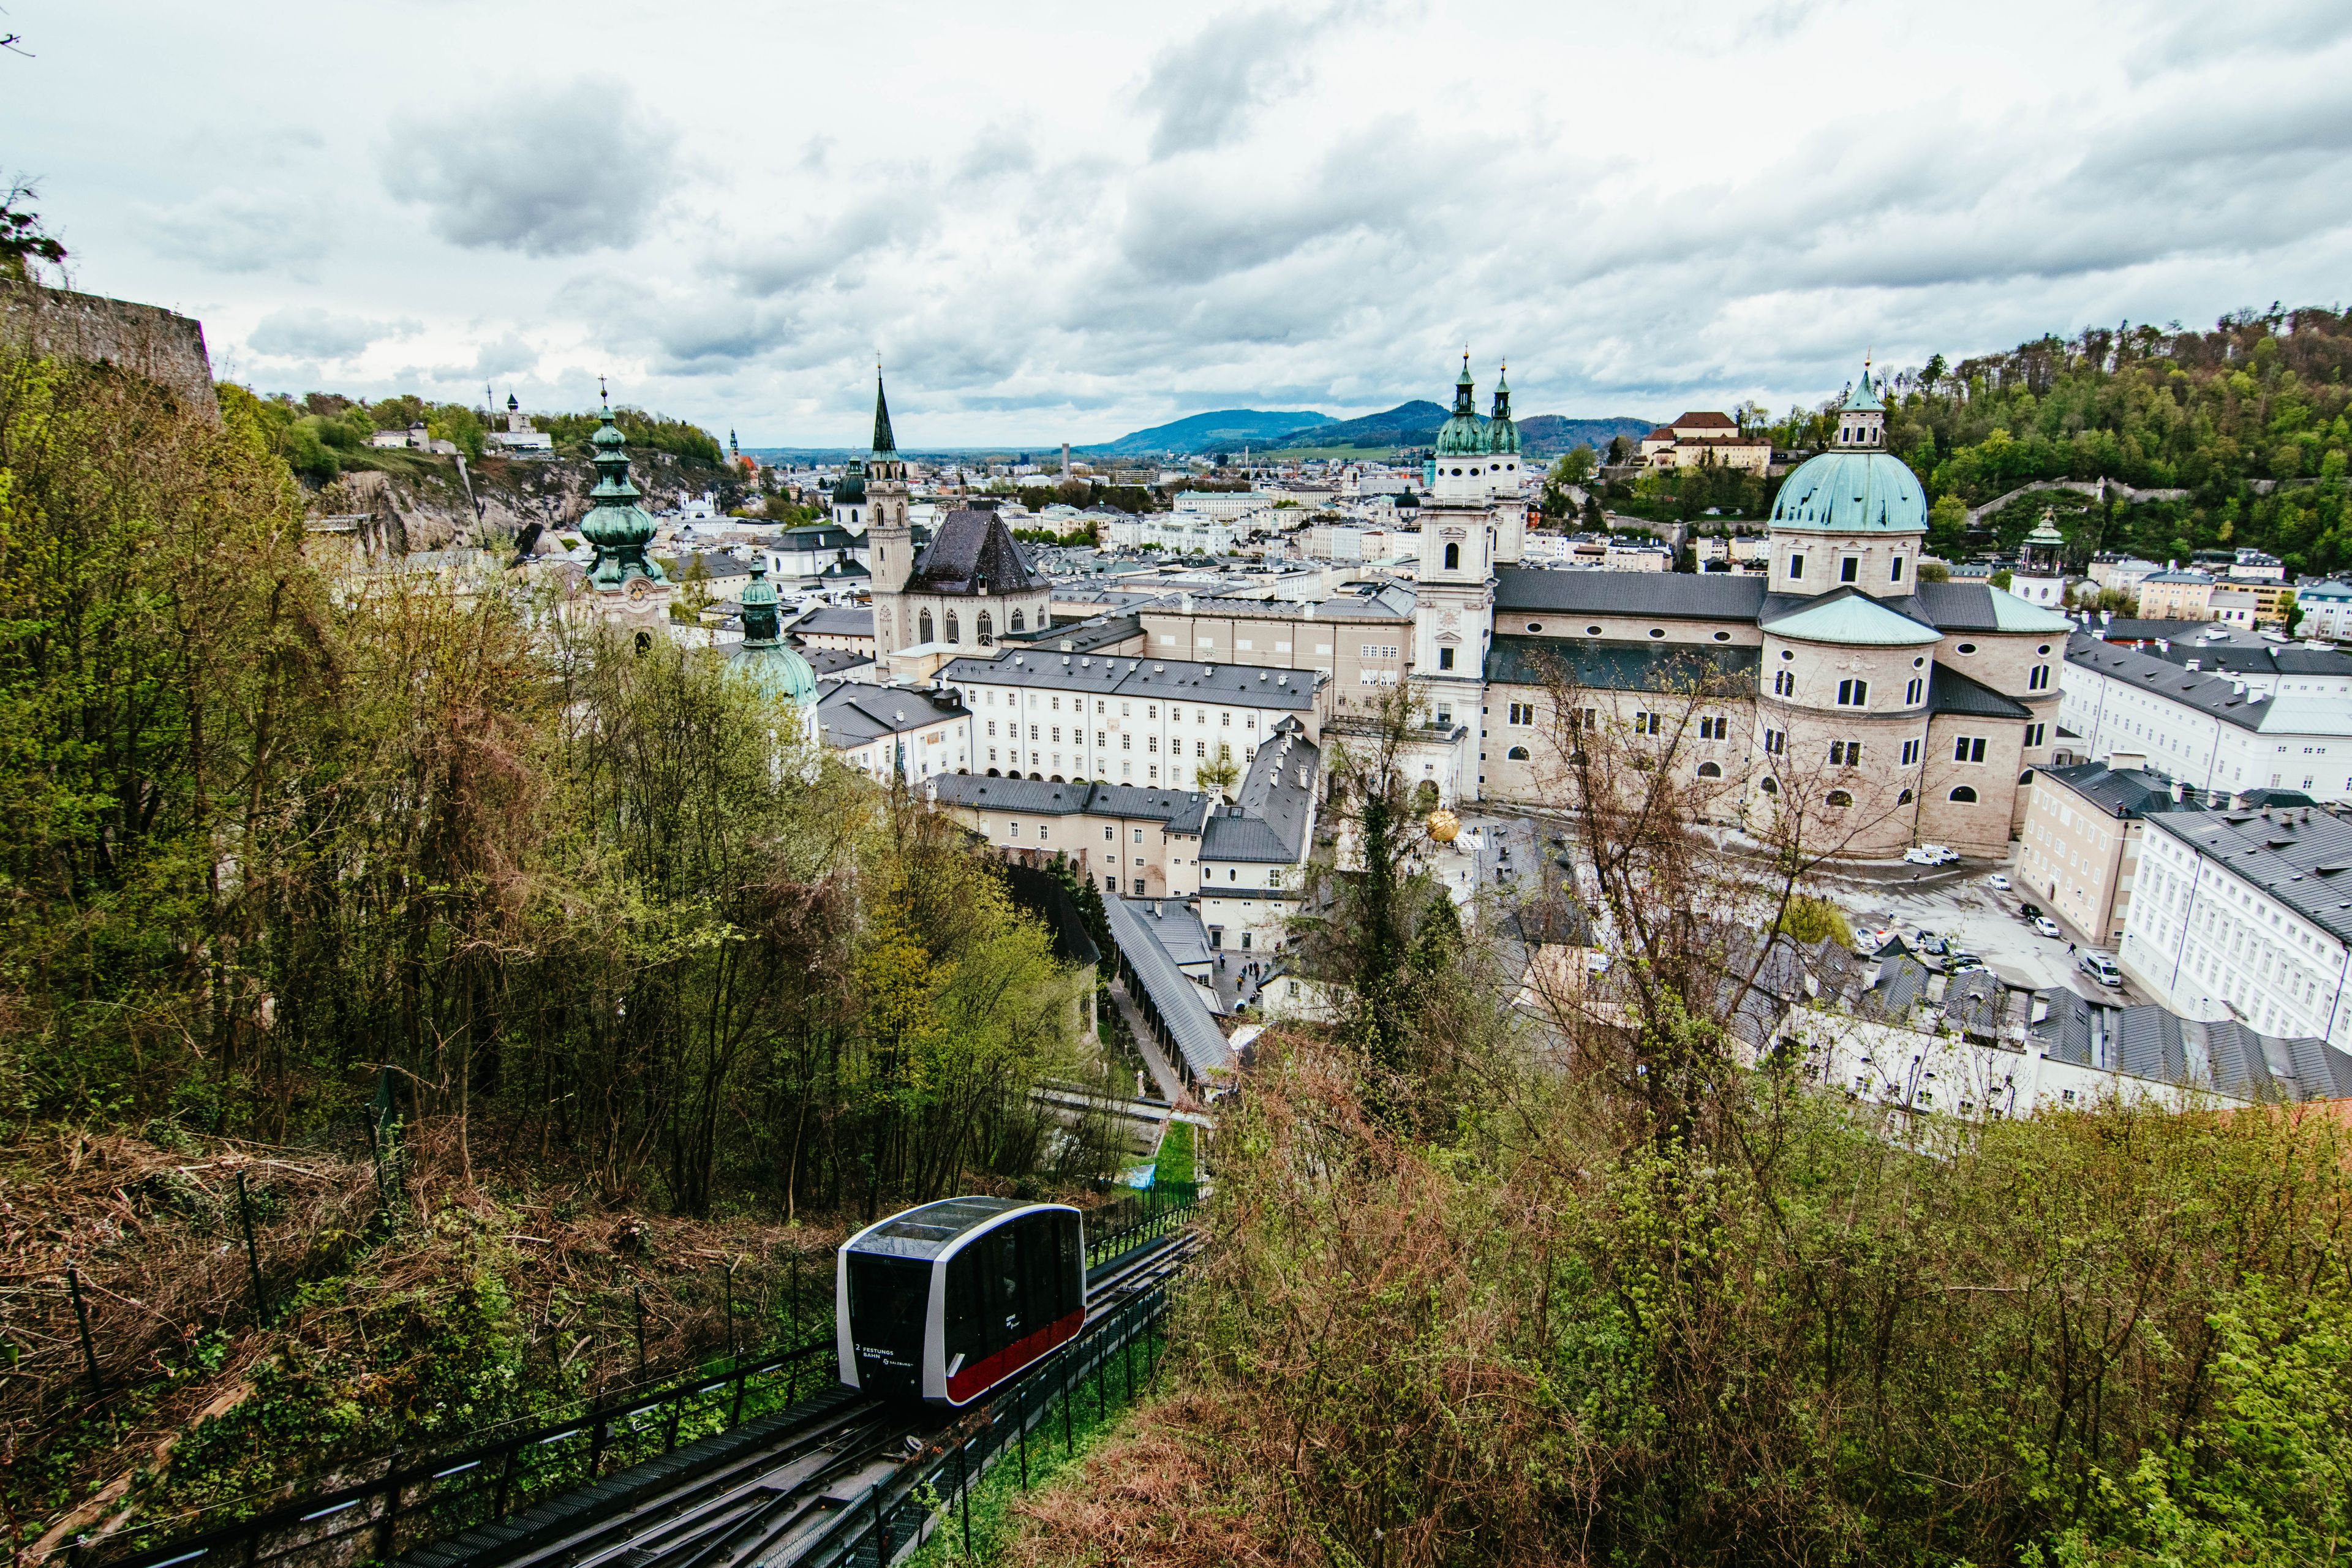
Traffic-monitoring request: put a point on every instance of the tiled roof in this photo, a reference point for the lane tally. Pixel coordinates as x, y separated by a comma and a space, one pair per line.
1247, 685
1608, 666
2128, 792
1179, 1003
1687, 596
835, 622
2301, 858
1268, 820
1042, 798
853, 713
1949, 691
973, 553
2145, 1041
2214, 695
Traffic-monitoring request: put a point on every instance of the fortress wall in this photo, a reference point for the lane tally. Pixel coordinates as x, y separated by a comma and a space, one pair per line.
167, 349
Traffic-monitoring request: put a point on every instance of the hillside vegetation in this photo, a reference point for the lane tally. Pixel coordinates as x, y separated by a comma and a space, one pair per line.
490, 955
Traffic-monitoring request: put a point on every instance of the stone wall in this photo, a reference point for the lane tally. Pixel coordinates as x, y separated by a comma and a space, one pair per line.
167, 349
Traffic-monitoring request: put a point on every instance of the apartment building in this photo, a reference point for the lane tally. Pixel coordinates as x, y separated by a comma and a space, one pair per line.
2212, 732
895, 731
2247, 914
2081, 847
1360, 643
2327, 610
2175, 596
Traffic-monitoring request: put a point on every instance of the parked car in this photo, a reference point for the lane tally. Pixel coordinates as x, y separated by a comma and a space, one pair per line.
1917, 855
2029, 912
1960, 958
1997, 882
2101, 968
2044, 926
1931, 945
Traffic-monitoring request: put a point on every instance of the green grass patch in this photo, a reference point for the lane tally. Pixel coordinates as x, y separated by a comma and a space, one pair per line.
1176, 1163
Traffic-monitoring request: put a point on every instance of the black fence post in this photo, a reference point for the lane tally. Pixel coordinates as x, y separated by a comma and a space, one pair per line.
252, 1253
793, 1304
81, 1321
731, 1311
638, 1293
506, 1479
1067, 1450
596, 1449
963, 1486
1020, 1415
386, 1520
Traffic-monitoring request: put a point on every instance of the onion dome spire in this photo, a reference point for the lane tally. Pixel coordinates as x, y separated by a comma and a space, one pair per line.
1502, 436
1463, 434
616, 525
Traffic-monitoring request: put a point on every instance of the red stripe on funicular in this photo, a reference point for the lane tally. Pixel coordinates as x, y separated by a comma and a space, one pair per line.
977, 1375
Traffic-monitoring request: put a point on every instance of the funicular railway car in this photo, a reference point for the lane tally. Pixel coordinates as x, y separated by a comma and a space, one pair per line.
945, 1301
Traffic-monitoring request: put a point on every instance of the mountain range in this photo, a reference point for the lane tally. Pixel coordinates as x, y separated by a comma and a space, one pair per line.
1414, 424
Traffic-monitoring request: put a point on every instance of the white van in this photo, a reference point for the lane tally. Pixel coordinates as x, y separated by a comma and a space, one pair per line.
2101, 968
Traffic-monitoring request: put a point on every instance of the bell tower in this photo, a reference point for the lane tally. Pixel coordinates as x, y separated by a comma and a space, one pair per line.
889, 537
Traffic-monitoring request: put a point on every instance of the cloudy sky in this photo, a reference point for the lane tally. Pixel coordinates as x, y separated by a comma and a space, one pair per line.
1065, 221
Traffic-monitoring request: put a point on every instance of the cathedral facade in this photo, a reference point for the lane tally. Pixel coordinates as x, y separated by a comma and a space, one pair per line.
1892, 711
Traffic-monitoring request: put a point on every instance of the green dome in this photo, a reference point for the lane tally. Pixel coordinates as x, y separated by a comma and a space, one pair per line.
1502, 434
762, 660
1852, 492
852, 488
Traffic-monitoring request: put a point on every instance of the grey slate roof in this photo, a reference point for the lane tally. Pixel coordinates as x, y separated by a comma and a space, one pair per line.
2129, 792
973, 553
2148, 1042
2305, 865
2209, 694
832, 662
1042, 798
1268, 820
853, 713
1689, 596
1609, 665
1181, 1009
1247, 685
1949, 691
833, 622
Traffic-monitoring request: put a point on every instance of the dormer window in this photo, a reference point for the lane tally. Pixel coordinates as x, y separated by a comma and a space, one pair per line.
1894, 573
1796, 567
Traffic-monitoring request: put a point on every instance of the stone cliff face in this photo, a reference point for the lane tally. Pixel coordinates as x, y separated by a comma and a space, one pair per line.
420, 502
164, 347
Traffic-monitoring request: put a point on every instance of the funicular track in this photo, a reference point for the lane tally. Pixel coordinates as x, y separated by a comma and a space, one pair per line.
832, 1477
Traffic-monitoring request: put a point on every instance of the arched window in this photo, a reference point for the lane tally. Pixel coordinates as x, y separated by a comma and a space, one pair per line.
1903, 799
1964, 795
1770, 786
1841, 797
955, 632
1709, 771
1018, 623
1517, 753
987, 630
1453, 558
2026, 777
853, 515
923, 627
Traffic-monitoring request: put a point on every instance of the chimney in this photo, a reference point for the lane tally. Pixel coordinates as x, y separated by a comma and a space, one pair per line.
2179, 792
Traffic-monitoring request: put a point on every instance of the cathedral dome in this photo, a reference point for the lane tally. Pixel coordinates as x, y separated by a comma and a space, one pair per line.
852, 488
1852, 492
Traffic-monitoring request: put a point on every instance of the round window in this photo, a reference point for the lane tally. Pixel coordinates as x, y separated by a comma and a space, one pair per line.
1592, 631
1786, 654
1723, 636
1535, 625
1657, 631
1965, 647
1920, 662
2044, 648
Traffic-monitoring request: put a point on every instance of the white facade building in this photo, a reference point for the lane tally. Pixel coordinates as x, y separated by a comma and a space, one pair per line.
2212, 732
1122, 720
2242, 914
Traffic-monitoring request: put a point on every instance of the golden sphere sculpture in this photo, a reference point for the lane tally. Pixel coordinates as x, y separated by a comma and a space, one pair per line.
1443, 826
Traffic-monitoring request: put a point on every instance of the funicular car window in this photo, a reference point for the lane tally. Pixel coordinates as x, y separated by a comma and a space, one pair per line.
965, 1328
888, 1296
1000, 1267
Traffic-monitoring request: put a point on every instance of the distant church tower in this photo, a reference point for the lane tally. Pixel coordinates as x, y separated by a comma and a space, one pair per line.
890, 537
1454, 606
630, 587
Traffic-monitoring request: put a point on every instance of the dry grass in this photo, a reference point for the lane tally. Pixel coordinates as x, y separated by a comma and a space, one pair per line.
1185, 1487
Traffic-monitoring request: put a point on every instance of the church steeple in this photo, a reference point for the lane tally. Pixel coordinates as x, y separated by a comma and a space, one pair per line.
1465, 392
883, 441
1502, 436
615, 525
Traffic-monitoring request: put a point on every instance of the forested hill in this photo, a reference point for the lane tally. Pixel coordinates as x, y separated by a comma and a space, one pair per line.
2250, 418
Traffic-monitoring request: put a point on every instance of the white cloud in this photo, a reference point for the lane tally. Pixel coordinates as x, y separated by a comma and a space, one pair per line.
1056, 220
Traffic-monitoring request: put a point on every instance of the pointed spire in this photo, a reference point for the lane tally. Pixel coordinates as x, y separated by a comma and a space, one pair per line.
1464, 392
883, 441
